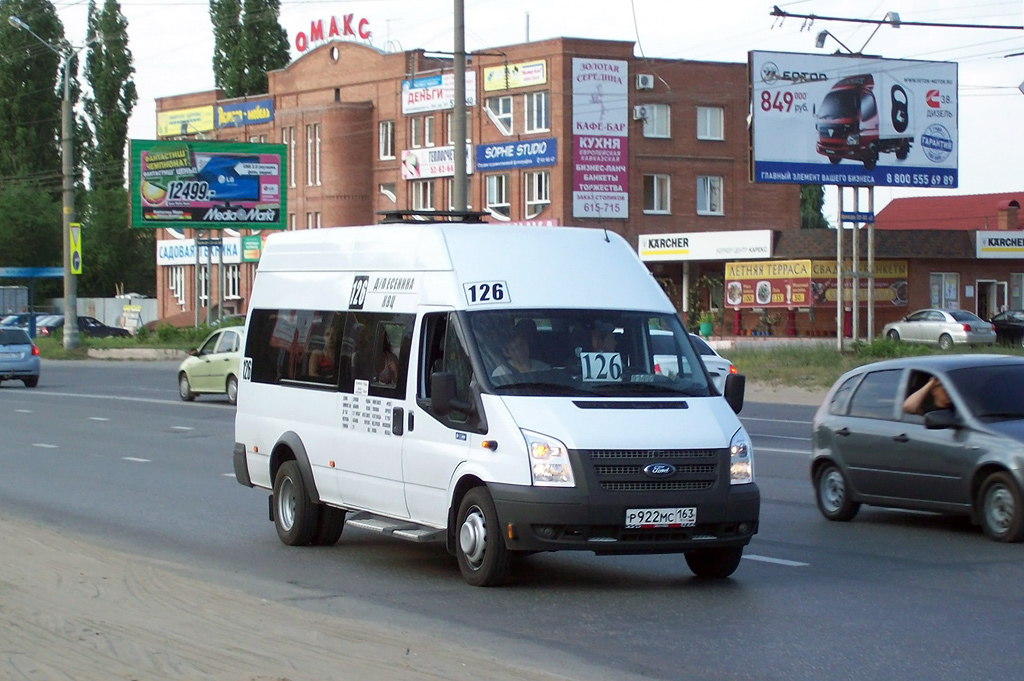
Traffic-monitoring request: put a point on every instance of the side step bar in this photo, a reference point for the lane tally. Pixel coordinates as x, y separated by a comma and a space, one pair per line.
401, 529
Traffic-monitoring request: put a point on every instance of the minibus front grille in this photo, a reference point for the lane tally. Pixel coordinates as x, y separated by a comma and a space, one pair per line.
669, 455
655, 470
657, 486
605, 471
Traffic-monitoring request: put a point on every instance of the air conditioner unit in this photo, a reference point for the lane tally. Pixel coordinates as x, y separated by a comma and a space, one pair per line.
640, 113
644, 81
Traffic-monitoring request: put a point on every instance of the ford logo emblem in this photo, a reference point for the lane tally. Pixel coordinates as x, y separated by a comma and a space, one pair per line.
659, 470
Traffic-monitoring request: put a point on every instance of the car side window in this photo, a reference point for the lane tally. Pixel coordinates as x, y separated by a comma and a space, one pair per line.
841, 397
875, 397
227, 342
210, 346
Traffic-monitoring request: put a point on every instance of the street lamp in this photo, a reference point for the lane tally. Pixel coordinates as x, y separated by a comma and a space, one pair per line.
68, 171
891, 18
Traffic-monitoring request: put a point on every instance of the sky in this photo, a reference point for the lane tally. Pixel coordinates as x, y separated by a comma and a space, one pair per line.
172, 46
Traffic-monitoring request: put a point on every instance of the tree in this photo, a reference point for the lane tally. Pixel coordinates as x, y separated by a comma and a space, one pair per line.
812, 198
115, 254
248, 42
30, 231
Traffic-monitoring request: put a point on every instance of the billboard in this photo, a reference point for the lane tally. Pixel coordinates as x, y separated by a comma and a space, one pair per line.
435, 93
519, 75
238, 114
600, 138
184, 121
207, 185
769, 283
506, 155
419, 164
853, 121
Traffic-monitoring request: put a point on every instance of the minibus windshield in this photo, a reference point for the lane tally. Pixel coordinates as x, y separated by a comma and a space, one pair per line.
606, 353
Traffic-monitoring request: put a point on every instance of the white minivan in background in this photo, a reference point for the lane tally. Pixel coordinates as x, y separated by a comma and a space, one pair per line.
492, 387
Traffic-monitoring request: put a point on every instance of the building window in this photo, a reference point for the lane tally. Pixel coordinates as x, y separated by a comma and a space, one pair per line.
656, 193
709, 195
386, 139
710, 123
448, 135
499, 110
309, 156
288, 139
656, 123
1016, 291
258, 139
204, 285
423, 195
291, 222
416, 132
537, 116
316, 149
231, 282
945, 290
176, 282
316, 220
449, 188
538, 193
428, 131
497, 195
388, 190
309, 221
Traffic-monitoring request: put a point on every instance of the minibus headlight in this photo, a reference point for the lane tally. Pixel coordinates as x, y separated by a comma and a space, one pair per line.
549, 461
741, 459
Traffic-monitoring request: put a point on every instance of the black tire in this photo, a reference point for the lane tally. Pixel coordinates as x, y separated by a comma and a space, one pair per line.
945, 342
295, 514
1000, 508
483, 558
903, 151
184, 389
833, 495
30, 382
329, 526
231, 389
835, 160
893, 335
870, 163
714, 563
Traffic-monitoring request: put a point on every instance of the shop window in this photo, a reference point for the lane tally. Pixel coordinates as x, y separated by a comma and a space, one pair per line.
944, 289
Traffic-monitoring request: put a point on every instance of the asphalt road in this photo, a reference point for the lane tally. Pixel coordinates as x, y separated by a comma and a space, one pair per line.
105, 451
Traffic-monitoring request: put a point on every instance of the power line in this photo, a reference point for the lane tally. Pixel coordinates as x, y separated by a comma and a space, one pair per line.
777, 12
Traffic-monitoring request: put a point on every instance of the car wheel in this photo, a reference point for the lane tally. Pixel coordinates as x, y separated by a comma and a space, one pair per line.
714, 563
833, 495
329, 526
232, 390
893, 335
1002, 514
184, 389
483, 558
945, 342
30, 382
295, 514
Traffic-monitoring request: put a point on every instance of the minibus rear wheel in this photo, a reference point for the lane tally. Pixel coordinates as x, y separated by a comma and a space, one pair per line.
295, 515
483, 558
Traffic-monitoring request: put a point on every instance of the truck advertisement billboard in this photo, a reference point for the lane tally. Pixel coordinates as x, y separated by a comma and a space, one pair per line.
851, 120
207, 185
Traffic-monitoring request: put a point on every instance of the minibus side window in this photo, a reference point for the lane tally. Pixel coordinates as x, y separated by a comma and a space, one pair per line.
378, 348
443, 349
277, 343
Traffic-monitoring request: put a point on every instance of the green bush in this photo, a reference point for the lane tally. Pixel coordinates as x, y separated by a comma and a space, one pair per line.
166, 333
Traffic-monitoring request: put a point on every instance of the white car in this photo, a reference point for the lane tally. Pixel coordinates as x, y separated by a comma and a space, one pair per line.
666, 362
944, 328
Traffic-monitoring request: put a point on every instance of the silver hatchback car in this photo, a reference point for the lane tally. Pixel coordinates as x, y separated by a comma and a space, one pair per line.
944, 328
19, 357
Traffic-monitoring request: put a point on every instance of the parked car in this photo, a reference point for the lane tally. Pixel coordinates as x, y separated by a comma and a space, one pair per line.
19, 357
87, 326
213, 367
1009, 326
719, 367
20, 320
666, 359
961, 457
944, 328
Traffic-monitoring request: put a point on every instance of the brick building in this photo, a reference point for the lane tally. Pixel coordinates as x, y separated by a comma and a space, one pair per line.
368, 131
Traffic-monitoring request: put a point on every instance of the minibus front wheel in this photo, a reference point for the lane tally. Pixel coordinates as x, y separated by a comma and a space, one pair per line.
483, 557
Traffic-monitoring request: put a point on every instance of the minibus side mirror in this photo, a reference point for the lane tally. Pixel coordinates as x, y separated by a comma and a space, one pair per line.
735, 386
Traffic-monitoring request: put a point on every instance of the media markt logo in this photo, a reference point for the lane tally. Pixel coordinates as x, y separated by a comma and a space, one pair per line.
215, 214
937, 143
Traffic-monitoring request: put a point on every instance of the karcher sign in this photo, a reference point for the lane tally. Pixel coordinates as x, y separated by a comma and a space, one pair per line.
1004, 245
754, 244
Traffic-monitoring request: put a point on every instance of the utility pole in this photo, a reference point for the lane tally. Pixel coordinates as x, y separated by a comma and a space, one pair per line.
459, 113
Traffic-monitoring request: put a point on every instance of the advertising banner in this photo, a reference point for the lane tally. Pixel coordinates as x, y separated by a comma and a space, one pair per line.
890, 282
600, 143
184, 121
772, 283
252, 247
753, 243
532, 154
513, 76
420, 164
237, 114
435, 93
207, 185
999, 244
171, 252
853, 121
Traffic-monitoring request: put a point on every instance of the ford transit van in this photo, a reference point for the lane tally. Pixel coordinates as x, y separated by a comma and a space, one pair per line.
491, 387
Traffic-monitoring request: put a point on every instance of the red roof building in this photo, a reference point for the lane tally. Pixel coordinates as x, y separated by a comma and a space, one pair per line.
969, 212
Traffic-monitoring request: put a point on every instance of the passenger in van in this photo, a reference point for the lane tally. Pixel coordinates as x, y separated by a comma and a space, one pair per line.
931, 396
602, 337
387, 365
322, 362
517, 355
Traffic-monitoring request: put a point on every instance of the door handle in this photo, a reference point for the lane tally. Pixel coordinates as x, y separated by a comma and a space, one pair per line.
844, 431
397, 420
902, 437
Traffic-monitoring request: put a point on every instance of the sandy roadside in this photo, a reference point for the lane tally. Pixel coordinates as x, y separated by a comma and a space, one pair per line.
783, 394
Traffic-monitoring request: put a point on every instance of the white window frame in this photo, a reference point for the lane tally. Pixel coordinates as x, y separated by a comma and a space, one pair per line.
660, 193
538, 112
448, 134
415, 140
204, 285
502, 118
947, 285
309, 155
711, 123
316, 142
386, 140
710, 195
422, 194
658, 121
309, 220
291, 222
449, 190
232, 285
538, 193
288, 139
497, 200
387, 189
176, 282
428, 131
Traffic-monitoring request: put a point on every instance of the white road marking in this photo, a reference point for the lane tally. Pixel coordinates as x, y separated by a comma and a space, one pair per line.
780, 437
775, 561
44, 445
229, 475
760, 448
97, 418
135, 458
182, 428
23, 411
750, 418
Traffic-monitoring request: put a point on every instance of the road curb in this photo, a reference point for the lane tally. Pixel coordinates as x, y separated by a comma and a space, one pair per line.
154, 354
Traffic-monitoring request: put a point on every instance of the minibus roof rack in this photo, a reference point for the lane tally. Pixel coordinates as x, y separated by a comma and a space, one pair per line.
415, 216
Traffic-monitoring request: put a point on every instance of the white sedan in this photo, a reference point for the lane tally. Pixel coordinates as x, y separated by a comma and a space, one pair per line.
944, 328
666, 360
